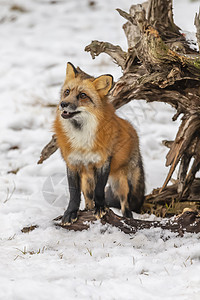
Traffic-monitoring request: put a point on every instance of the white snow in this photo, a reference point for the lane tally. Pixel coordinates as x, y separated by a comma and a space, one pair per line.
52, 263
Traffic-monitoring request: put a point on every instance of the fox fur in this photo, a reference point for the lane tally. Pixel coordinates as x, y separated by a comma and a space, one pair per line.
98, 147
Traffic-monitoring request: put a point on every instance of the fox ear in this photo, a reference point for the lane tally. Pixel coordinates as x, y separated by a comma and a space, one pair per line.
103, 84
71, 71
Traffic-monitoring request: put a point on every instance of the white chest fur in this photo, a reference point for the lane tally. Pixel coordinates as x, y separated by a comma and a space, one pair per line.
81, 138
77, 158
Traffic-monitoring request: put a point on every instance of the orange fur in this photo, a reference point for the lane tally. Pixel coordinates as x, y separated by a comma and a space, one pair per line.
114, 137
108, 135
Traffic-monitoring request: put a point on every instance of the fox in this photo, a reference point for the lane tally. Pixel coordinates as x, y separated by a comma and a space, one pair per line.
100, 149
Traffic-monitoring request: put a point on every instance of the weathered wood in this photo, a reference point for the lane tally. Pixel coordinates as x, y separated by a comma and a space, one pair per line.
118, 55
189, 179
184, 165
188, 221
197, 24
185, 137
48, 150
170, 201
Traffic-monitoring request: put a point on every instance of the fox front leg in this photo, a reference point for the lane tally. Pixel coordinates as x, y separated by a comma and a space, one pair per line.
70, 215
99, 193
88, 187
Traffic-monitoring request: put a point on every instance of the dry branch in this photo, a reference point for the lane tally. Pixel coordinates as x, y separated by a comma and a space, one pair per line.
118, 55
189, 221
48, 150
197, 24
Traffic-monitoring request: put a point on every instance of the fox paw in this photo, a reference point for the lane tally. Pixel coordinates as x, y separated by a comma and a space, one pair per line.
89, 205
100, 212
69, 218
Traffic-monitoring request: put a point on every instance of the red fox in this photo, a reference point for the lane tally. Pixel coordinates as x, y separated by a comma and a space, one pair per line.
97, 145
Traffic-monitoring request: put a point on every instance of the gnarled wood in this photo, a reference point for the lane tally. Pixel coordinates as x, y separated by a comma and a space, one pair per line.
118, 55
48, 150
167, 202
197, 24
188, 221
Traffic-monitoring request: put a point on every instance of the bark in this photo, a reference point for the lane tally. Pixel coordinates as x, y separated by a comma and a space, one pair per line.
170, 201
48, 150
188, 221
197, 24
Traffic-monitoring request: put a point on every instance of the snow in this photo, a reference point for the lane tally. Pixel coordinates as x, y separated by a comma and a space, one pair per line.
49, 262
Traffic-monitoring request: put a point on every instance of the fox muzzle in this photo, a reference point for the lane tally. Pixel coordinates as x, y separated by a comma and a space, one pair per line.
70, 106
68, 109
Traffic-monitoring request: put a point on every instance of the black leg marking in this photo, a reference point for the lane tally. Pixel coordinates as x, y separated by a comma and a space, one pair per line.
127, 213
111, 199
70, 214
136, 192
99, 194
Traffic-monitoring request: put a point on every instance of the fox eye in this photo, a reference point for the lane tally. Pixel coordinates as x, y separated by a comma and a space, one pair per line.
82, 96
66, 93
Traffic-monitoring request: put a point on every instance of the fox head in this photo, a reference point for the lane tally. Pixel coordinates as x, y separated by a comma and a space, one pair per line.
82, 93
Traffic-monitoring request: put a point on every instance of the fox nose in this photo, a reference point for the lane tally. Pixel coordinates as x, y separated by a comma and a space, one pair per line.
64, 104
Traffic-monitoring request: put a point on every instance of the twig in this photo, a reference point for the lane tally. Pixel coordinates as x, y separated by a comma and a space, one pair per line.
48, 150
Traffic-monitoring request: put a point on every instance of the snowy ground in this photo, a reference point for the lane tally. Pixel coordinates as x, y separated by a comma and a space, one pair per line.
51, 263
